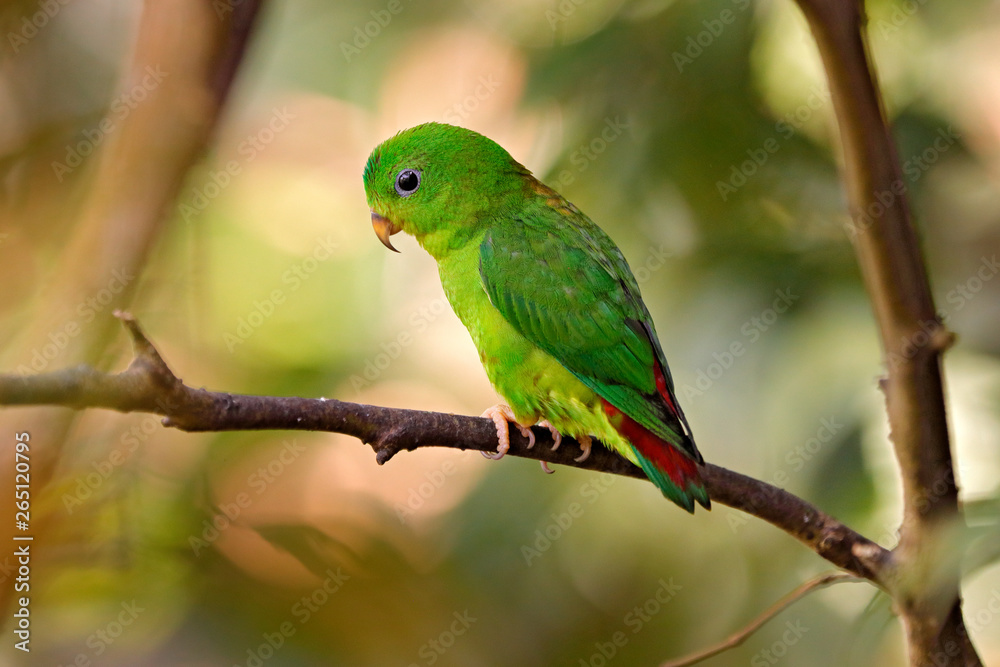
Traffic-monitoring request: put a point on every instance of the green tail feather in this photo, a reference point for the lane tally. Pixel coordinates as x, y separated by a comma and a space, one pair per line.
682, 497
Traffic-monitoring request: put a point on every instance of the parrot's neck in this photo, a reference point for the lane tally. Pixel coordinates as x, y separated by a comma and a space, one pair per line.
440, 244
459, 270
448, 240
464, 224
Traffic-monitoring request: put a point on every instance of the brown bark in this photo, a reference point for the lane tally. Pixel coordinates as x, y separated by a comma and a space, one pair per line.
148, 385
924, 577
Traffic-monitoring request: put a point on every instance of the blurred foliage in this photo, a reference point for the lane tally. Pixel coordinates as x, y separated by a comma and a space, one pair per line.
699, 134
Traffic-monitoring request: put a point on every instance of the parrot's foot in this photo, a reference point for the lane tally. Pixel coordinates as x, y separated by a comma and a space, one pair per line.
501, 415
556, 435
556, 441
585, 445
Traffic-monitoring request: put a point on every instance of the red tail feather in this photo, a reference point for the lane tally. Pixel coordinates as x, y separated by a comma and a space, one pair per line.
661, 386
680, 468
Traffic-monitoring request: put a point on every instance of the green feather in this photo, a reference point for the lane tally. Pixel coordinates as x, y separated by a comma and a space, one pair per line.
563, 284
666, 485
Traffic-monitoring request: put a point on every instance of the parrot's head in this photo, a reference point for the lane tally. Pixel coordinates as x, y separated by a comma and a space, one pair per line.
442, 184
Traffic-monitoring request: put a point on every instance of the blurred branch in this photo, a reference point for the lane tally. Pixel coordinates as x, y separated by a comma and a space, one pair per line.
741, 636
148, 385
925, 580
168, 103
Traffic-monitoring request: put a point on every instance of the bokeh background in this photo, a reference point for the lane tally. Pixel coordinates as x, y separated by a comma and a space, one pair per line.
698, 134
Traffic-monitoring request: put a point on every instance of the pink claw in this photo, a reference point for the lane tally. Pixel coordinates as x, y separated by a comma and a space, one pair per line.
501, 416
585, 445
556, 435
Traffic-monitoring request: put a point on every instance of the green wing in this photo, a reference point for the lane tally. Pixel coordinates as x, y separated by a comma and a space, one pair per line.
565, 286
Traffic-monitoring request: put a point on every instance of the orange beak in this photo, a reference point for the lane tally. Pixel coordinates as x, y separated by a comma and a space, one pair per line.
384, 228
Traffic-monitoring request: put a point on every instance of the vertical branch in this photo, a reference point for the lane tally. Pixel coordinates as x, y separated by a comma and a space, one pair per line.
184, 61
913, 338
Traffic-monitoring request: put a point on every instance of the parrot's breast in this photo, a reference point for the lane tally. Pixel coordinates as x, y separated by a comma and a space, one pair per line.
531, 381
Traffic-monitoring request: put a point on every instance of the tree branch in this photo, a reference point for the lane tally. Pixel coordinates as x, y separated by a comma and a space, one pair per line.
184, 62
925, 585
741, 635
148, 385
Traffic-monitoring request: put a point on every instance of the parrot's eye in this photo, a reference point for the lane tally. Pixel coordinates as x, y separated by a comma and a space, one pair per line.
407, 182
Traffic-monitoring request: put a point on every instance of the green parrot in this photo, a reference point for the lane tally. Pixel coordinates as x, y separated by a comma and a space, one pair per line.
547, 296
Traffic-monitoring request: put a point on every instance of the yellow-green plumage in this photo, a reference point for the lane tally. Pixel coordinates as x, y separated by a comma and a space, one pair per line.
548, 298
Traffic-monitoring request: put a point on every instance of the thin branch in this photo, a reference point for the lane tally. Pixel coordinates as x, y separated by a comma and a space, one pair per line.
925, 585
741, 636
148, 385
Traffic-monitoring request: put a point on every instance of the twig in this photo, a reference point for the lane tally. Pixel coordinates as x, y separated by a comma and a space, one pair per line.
148, 385
741, 636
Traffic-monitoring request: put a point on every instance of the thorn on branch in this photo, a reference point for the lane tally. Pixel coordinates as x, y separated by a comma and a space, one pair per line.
147, 357
386, 445
942, 339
